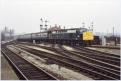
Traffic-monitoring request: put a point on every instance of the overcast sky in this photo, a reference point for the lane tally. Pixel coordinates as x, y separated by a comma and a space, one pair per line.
24, 15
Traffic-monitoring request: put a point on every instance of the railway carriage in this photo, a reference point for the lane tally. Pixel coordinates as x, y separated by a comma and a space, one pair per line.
25, 37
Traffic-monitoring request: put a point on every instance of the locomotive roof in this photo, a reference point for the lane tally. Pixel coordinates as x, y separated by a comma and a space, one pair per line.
67, 29
55, 30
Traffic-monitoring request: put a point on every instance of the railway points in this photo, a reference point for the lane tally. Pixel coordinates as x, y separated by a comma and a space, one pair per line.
24, 69
61, 59
106, 50
62, 71
65, 57
108, 47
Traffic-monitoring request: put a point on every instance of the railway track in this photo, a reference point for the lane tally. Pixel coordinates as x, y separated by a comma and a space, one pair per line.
94, 61
88, 57
105, 59
24, 69
101, 62
107, 47
82, 66
98, 52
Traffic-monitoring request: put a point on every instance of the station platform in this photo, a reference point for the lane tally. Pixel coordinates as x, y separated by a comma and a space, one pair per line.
7, 72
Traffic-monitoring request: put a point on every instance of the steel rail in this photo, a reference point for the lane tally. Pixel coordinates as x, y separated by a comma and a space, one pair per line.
31, 72
86, 67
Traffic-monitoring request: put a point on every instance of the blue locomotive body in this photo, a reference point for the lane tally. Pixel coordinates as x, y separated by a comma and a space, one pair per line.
63, 36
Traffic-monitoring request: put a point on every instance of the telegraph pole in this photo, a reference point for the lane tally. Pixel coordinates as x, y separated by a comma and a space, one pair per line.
92, 26
107, 32
113, 31
114, 38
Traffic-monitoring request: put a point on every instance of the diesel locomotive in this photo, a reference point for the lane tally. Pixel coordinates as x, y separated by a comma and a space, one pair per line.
74, 36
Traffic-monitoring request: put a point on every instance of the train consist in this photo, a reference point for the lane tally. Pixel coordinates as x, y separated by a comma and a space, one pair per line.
74, 36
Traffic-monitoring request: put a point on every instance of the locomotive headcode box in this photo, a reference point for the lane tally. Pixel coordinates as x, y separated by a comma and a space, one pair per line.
88, 36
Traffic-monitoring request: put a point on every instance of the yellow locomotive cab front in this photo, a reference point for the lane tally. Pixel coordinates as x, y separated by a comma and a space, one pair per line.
88, 36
